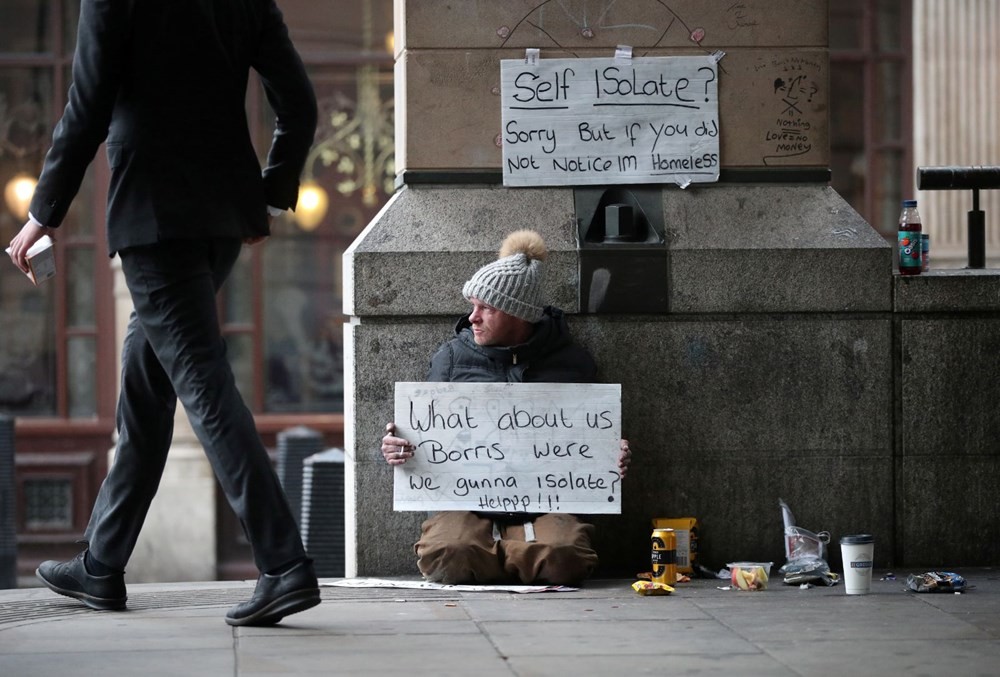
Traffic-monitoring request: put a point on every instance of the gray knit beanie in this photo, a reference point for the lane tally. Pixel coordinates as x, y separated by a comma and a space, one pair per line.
513, 282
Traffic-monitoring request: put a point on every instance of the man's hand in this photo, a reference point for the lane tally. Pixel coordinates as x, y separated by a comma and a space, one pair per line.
396, 450
30, 233
624, 458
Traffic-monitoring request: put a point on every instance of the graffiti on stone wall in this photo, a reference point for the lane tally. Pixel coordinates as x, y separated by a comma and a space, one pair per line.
796, 107
553, 20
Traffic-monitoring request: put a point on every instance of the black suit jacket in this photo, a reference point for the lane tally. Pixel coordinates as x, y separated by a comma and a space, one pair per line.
164, 83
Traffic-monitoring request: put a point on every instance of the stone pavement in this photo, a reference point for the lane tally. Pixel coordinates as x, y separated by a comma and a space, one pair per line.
602, 629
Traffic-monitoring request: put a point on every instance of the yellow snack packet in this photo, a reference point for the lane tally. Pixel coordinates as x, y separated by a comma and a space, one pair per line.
650, 588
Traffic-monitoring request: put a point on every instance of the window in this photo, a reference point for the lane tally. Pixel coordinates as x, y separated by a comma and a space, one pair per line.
48, 504
50, 356
57, 347
283, 305
870, 123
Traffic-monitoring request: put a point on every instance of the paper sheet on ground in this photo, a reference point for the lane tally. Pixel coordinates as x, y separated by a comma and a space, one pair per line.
427, 585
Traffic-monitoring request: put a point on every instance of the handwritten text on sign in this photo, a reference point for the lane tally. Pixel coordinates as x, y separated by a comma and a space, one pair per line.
601, 121
509, 447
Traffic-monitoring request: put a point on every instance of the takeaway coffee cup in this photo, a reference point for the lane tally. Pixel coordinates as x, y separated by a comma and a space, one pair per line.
857, 552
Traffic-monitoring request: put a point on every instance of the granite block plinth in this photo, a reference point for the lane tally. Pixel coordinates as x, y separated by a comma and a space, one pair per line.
419, 251
949, 387
947, 291
773, 248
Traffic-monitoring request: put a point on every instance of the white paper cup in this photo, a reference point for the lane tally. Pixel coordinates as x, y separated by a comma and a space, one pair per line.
857, 551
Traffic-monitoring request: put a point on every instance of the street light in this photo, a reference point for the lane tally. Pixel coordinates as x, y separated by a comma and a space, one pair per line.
17, 194
312, 206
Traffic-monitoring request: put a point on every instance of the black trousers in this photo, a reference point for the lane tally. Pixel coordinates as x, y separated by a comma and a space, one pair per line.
174, 350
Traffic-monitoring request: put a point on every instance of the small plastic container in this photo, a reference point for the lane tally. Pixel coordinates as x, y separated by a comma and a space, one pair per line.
749, 576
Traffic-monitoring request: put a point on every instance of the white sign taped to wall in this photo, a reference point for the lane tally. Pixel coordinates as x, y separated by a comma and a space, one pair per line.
610, 121
509, 447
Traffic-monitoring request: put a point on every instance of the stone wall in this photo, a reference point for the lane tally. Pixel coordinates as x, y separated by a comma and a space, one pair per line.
877, 416
946, 332
787, 362
774, 77
769, 377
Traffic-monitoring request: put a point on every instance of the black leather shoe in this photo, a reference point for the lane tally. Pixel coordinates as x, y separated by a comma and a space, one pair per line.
105, 593
278, 596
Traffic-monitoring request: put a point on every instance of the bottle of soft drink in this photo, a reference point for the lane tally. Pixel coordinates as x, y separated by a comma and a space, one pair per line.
910, 239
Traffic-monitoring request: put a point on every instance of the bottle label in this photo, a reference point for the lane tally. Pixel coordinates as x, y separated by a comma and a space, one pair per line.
909, 249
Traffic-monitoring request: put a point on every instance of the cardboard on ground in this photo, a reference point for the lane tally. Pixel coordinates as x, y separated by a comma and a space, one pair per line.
509, 447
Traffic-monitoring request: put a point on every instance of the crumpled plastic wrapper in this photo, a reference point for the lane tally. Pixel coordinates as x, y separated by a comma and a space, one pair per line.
936, 581
813, 571
646, 588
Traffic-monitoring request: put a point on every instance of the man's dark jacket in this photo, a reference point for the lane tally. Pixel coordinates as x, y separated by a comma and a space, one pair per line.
137, 80
549, 356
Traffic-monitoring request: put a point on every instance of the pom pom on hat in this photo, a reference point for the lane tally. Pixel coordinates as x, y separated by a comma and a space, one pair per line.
513, 282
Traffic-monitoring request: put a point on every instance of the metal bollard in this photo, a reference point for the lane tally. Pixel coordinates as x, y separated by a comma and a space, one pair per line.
294, 446
8, 531
323, 512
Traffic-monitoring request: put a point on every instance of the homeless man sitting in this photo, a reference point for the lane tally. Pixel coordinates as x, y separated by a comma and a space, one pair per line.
508, 337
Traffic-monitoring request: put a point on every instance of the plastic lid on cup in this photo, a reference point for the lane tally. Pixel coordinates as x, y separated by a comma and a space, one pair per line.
857, 539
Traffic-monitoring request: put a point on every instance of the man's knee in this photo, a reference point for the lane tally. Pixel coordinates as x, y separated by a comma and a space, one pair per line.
457, 562
548, 564
568, 565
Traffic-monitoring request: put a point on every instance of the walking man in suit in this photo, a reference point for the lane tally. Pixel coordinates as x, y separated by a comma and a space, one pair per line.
164, 84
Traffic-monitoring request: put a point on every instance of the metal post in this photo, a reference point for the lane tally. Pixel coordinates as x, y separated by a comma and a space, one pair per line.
977, 233
294, 446
323, 532
8, 531
965, 178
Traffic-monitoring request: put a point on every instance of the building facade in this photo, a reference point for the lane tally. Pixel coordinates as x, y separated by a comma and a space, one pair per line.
282, 310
